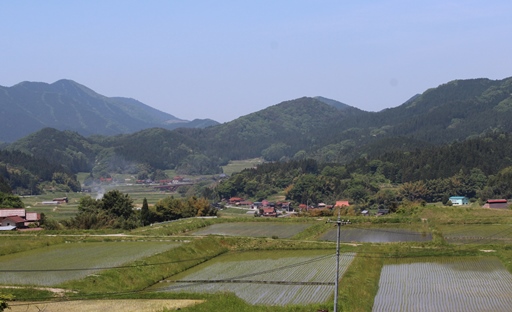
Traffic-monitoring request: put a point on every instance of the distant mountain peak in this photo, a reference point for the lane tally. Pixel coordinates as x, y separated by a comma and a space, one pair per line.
337, 104
67, 105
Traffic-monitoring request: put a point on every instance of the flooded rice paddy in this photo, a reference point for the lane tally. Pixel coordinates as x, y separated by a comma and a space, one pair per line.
473, 285
56, 264
256, 229
376, 235
295, 278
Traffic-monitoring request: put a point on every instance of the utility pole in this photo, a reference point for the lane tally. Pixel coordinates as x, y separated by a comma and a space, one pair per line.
339, 223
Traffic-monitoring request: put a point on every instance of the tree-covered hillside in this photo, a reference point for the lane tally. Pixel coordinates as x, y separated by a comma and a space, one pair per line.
480, 168
66, 105
308, 128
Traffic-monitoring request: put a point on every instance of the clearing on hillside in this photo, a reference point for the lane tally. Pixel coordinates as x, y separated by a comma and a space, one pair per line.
254, 229
462, 284
266, 277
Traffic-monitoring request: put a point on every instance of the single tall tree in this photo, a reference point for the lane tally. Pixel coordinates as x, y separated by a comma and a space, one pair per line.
144, 213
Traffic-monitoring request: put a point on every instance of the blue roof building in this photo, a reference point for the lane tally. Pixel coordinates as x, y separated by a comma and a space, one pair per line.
459, 200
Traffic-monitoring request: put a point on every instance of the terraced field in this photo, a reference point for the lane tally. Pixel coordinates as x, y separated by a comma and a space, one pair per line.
267, 277
376, 235
478, 233
254, 229
52, 265
464, 284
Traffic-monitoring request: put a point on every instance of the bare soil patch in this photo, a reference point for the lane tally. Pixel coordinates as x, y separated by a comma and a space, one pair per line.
128, 305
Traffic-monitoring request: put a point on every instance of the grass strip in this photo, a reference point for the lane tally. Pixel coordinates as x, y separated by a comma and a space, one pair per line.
142, 275
360, 284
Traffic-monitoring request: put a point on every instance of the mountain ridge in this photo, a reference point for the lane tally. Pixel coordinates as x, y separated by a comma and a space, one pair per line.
66, 105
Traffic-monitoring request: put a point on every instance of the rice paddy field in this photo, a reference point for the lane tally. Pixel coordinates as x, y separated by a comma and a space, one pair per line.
256, 267
376, 235
267, 278
254, 229
52, 265
481, 284
477, 233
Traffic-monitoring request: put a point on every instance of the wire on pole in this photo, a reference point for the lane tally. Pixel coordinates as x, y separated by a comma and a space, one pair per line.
339, 223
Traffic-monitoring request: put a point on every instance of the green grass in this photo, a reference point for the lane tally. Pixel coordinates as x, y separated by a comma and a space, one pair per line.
236, 211
235, 166
359, 284
11, 243
477, 233
147, 271
463, 215
26, 293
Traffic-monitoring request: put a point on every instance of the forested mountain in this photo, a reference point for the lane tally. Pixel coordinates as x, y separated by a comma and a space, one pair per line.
68, 149
66, 105
338, 105
307, 127
417, 140
277, 132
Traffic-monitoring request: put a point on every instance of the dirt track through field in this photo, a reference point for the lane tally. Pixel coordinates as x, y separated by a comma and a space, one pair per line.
129, 305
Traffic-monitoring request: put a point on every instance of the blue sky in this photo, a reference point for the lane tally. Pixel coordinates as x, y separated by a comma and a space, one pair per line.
225, 59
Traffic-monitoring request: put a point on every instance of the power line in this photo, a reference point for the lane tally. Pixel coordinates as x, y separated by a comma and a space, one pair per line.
99, 268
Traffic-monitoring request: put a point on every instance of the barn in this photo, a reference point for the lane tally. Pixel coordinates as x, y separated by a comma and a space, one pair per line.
496, 203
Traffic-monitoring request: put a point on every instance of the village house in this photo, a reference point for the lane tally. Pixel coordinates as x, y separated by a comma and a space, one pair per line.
268, 212
459, 200
235, 200
17, 217
286, 206
245, 203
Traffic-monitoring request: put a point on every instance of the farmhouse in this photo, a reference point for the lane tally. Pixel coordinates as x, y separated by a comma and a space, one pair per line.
459, 200
286, 206
235, 200
18, 217
268, 212
496, 203
16, 221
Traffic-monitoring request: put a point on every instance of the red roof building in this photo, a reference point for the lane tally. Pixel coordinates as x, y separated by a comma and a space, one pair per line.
18, 217
234, 200
16, 221
268, 212
341, 203
496, 203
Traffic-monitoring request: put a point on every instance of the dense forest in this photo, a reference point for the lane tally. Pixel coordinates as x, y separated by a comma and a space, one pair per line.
479, 168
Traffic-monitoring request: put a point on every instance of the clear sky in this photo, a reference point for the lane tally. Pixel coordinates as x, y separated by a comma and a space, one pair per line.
224, 59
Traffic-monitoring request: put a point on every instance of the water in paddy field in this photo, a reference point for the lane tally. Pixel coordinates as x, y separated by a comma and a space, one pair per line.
376, 235
473, 285
278, 282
